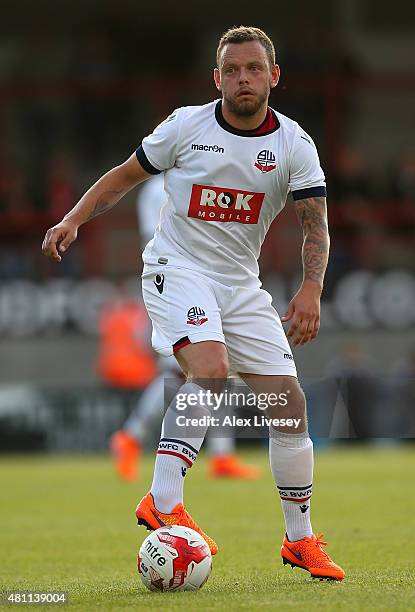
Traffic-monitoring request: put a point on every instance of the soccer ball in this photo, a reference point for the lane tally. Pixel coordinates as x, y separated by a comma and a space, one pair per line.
174, 558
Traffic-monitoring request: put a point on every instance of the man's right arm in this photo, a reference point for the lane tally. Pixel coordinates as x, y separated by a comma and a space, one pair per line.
100, 198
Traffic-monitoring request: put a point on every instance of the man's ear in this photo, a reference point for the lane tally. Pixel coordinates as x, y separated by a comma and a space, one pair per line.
216, 78
275, 75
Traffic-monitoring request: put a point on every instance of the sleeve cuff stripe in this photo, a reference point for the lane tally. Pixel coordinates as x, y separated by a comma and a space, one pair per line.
309, 192
143, 160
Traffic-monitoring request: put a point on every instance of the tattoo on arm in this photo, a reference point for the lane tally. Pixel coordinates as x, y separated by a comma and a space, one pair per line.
312, 215
104, 203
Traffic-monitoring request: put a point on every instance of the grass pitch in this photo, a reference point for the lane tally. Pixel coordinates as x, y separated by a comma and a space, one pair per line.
67, 524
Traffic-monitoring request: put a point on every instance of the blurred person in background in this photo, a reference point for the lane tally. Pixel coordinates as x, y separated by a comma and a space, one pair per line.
127, 443
402, 395
125, 361
354, 373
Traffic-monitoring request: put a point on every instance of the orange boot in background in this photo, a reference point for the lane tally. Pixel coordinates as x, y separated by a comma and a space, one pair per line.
229, 466
126, 452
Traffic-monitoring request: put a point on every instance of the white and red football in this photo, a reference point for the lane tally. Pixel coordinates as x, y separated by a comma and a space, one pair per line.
174, 558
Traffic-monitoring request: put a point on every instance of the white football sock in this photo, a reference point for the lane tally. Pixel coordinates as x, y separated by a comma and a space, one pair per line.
291, 459
178, 449
168, 480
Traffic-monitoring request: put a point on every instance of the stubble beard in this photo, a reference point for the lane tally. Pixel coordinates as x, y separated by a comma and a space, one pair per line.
246, 108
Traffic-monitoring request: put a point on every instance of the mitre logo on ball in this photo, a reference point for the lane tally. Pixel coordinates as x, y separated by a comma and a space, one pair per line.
223, 204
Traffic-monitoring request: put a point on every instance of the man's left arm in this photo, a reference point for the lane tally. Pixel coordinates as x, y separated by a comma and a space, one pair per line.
304, 309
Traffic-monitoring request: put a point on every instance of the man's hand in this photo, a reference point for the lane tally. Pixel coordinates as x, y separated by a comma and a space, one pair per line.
304, 313
101, 197
304, 309
58, 239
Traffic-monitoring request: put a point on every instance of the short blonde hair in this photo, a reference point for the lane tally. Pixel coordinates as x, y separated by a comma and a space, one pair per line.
241, 34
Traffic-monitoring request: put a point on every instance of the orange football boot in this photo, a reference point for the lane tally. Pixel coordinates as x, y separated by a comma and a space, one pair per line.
229, 466
308, 554
148, 515
126, 452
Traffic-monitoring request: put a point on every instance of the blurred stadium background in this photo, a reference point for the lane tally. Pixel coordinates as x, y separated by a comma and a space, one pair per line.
82, 83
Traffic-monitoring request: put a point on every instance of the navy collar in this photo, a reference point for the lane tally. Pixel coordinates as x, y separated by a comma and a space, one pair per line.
268, 126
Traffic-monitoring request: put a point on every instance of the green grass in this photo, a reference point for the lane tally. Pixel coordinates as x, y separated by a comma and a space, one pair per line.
67, 524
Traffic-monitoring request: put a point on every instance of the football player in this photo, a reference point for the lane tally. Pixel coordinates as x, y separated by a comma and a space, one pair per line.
228, 167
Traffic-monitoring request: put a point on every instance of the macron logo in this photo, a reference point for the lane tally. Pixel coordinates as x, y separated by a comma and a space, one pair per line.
203, 147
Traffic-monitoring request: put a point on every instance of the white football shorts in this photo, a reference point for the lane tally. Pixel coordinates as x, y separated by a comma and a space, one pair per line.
187, 306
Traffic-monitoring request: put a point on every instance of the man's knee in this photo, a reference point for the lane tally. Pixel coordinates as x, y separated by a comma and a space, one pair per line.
291, 399
295, 396
298, 395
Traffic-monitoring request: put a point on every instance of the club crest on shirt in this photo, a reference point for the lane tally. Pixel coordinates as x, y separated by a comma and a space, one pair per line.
265, 161
196, 316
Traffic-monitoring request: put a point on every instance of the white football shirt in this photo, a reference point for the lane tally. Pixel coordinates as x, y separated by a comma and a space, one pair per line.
224, 187
151, 198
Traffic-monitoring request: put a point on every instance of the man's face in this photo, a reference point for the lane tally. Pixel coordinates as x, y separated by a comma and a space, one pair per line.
245, 77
